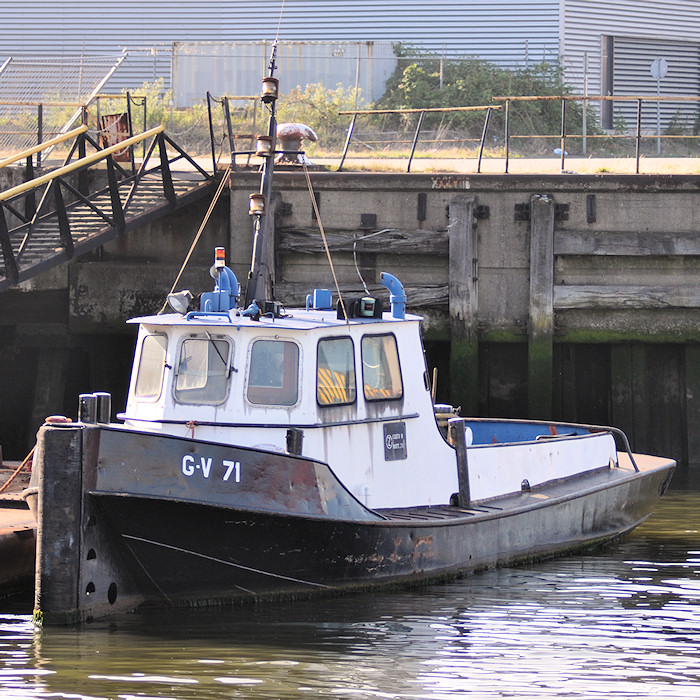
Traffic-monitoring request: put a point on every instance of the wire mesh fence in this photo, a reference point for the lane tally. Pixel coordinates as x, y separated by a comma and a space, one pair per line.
43, 97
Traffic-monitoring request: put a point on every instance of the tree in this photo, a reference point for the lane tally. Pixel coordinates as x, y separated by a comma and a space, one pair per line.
426, 81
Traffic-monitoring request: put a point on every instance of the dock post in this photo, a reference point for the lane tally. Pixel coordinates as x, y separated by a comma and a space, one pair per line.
463, 305
457, 438
58, 468
692, 374
541, 322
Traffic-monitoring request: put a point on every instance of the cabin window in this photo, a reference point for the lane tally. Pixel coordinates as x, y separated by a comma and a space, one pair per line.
202, 371
381, 373
149, 377
335, 373
273, 376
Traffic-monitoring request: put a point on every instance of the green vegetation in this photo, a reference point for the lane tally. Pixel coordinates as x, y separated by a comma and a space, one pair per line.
420, 81
431, 82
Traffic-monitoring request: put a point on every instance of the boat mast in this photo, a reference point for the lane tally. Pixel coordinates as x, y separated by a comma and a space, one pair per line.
255, 288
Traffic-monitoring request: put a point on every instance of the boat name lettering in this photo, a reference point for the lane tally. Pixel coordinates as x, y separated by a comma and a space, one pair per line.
232, 467
190, 466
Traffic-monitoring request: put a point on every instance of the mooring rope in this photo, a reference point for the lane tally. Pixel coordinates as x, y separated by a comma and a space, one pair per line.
222, 184
323, 237
28, 458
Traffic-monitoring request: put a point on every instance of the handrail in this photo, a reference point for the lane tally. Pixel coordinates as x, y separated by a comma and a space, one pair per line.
598, 98
421, 112
109, 196
638, 135
87, 160
564, 424
224, 102
41, 103
635, 133
417, 110
41, 146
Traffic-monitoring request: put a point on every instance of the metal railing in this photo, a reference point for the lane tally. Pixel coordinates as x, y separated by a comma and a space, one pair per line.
227, 131
45, 134
225, 142
584, 99
421, 116
562, 137
40, 131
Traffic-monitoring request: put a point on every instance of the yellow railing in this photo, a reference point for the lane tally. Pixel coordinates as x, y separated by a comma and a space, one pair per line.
80, 163
42, 146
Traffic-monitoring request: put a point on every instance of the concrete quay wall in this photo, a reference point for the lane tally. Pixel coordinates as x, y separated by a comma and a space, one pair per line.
553, 296
566, 296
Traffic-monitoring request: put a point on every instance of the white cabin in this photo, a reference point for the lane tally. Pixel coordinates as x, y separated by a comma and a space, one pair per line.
357, 389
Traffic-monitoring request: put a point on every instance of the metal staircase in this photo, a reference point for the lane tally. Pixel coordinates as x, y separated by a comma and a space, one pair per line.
62, 214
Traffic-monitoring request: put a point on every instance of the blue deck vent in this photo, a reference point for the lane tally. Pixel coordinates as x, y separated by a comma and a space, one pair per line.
397, 296
225, 294
320, 300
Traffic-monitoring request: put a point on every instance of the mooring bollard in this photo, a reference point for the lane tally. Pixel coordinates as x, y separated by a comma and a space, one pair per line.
457, 438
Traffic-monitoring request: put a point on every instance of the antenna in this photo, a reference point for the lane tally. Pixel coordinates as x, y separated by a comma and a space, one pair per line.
259, 201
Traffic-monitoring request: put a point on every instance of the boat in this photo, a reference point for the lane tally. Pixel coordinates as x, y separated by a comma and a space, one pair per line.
269, 453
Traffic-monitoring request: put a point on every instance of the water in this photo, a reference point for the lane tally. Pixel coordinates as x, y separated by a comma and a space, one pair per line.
621, 623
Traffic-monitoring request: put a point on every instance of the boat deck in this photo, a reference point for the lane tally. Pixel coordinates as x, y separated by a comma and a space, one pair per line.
436, 512
538, 495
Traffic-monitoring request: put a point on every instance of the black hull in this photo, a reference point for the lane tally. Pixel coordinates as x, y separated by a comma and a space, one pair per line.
186, 553
125, 520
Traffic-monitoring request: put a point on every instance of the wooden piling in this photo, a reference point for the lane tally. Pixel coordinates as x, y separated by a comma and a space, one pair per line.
541, 317
692, 397
458, 440
463, 305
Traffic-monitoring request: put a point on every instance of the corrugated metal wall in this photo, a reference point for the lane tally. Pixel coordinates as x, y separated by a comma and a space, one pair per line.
146, 28
503, 31
237, 68
507, 32
632, 76
641, 30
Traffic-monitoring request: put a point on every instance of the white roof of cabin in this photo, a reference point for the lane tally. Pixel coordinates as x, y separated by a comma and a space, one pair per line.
296, 319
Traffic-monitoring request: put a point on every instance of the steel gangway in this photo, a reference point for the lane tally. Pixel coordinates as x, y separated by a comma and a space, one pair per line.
92, 197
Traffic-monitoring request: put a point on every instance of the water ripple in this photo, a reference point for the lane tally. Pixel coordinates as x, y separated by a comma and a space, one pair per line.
617, 624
